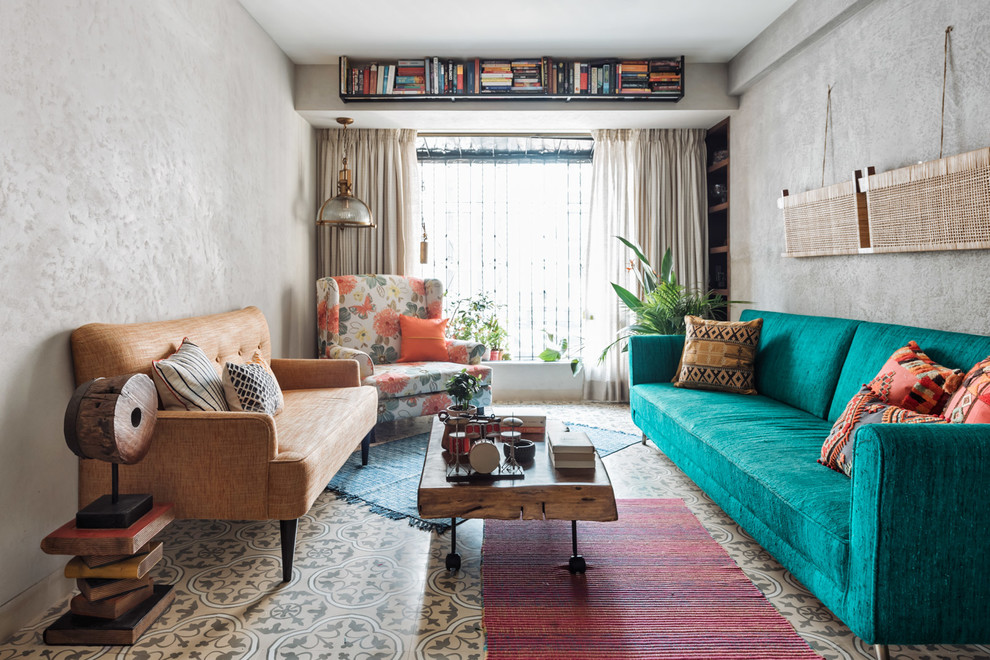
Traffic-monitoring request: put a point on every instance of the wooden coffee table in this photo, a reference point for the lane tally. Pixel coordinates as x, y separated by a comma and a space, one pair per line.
542, 494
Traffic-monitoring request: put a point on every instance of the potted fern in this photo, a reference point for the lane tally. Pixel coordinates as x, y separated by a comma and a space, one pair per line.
664, 303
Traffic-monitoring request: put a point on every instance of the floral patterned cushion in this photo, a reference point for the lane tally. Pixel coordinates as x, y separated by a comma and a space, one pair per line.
358, 319
418, 378
361, 312
340, 353
424, 404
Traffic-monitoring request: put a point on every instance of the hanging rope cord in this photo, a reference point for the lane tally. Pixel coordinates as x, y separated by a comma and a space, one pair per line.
828, 114
945, 74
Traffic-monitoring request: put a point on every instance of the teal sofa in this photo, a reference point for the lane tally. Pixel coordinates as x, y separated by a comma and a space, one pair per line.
901, 551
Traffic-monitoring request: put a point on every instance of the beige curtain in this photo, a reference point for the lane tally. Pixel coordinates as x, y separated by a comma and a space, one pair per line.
672, 212
386, 178
647, 186
615, 202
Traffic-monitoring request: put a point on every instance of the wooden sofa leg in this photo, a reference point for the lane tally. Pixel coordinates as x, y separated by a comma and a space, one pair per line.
883, 653
287, 529
644, 438
366, 446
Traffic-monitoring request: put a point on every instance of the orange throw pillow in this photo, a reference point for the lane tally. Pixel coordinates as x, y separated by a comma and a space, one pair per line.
423, 340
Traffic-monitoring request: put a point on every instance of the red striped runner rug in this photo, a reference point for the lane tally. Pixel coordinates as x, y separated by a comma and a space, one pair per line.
657, 586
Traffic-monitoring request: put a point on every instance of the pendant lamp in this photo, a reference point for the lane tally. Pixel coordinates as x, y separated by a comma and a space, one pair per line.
345, 210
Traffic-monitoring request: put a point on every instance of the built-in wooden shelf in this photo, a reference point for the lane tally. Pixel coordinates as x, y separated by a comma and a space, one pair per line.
717, 142
719, 165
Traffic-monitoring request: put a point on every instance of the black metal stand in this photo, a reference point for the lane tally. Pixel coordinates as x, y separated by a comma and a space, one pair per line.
576, 563
114, 511
453, 559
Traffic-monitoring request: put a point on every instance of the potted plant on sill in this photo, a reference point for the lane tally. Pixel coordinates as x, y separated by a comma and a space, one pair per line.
493, 335
476, 319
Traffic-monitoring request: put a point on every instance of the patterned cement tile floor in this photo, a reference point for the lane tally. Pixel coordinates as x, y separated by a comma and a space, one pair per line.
367, 587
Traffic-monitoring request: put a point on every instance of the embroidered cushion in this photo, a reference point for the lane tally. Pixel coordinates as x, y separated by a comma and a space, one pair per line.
252, 387
971, 402
423, 340
719, 355
913, 381
866, 407
187, 380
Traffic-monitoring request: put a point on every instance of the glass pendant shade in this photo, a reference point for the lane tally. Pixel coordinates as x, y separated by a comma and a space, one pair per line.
345, 210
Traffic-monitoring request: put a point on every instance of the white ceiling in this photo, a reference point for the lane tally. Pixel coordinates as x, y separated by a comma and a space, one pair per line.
318, 31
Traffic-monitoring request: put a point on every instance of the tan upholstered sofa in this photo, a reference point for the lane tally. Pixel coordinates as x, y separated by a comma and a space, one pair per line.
233, 465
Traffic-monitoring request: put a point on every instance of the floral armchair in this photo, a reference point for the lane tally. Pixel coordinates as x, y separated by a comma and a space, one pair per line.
358, 319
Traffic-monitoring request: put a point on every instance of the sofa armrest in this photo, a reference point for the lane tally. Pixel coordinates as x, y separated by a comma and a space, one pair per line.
316, 374
654, 358
209, 464
918, 537
337, 352
466, 352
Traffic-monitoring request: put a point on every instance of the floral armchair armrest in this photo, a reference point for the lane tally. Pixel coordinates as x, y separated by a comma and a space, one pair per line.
465, 352
337, 352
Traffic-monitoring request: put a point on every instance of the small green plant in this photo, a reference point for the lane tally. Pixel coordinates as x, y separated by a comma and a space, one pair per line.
558, 349
462, 387
476, 319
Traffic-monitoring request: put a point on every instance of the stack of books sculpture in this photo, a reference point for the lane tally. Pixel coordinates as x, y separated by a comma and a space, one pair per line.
111, 539
117, 600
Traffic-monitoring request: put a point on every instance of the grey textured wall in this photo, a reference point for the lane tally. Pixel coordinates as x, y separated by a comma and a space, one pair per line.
151, 166
886, 66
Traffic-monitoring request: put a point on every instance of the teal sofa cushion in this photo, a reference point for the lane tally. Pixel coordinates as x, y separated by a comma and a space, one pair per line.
873, 343
800, 358
764, 452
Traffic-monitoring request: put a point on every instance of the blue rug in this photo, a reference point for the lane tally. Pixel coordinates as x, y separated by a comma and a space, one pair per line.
389, 482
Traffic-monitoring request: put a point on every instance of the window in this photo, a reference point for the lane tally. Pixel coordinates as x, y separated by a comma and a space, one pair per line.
506, 216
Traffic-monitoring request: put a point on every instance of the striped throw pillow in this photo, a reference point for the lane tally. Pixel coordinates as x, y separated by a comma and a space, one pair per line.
187, 380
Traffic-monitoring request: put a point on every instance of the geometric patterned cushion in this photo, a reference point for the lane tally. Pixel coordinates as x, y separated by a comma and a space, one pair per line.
971, 402
719, 355
187, 380
866, 407
913, 381
252, 387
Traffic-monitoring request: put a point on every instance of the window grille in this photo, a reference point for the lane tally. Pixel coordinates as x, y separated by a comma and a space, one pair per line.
505, 216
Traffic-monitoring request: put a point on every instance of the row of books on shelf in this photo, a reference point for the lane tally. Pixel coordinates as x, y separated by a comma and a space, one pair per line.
546, 75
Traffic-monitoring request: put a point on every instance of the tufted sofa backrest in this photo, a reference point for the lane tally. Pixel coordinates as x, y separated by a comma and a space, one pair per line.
105, 349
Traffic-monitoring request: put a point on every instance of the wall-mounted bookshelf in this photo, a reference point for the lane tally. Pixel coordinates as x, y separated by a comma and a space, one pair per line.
491, 79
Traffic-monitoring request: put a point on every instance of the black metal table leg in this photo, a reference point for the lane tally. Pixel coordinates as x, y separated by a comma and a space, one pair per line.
576, 563
453, 559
